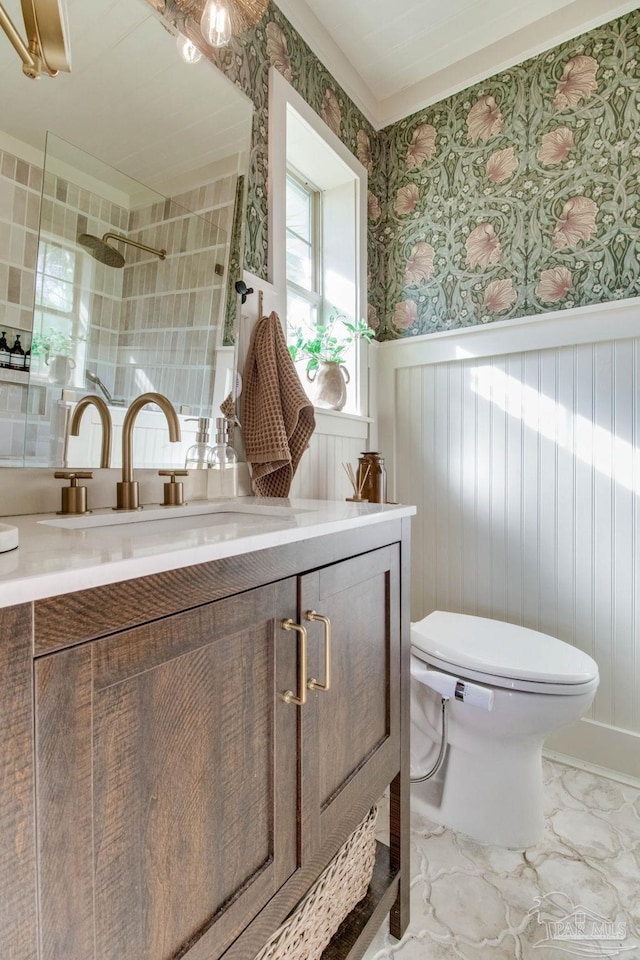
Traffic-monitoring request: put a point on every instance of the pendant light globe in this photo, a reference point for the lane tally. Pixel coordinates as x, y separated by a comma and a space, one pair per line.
216, 23
187, 49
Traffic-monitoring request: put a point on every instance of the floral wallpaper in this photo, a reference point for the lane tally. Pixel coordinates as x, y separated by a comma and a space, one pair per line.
246, 61
519, 195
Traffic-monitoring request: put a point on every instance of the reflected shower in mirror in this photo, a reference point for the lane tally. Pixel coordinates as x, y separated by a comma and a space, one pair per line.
117, 319
104, 323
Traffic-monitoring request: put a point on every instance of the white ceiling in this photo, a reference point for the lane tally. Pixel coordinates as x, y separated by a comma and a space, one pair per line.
395, 56
129, 99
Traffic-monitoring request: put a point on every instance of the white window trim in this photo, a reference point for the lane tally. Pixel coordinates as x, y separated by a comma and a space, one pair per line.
281, 97
314, 295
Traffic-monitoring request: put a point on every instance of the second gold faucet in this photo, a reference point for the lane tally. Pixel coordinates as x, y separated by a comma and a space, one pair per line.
127, 494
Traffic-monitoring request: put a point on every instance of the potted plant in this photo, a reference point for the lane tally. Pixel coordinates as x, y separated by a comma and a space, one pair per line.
56, 349
324, 350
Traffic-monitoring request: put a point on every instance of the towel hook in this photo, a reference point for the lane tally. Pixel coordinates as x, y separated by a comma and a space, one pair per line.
243, 290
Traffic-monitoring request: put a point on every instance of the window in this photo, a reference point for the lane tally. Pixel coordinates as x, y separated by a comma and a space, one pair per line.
303, 254
317, 231
57, 317
56, 288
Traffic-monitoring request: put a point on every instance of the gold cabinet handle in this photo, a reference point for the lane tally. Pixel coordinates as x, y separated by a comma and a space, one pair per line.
312, 683
289, 696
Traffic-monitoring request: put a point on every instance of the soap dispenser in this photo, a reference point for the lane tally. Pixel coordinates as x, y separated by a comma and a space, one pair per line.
199, 454
224, 460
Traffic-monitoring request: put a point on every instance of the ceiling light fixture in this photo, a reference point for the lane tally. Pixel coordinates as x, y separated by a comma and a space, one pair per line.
219, 20
47, 48
187, 49
216, 23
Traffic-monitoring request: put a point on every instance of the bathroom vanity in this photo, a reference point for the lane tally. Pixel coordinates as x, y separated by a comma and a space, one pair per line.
165, 793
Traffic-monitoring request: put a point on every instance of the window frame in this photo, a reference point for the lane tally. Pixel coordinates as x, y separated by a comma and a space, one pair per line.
314, 295
284, 102
75, 283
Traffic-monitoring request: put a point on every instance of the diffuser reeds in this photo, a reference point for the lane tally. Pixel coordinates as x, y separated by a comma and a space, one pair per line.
356, 483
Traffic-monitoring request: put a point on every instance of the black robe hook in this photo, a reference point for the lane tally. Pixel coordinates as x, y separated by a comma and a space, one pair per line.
243, 290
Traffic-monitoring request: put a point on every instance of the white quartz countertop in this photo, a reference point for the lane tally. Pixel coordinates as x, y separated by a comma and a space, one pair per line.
52, 559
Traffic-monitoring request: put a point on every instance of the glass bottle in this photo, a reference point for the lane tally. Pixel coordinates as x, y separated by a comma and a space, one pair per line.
4, 350
224, 459
372, 477
16, 358
199, 454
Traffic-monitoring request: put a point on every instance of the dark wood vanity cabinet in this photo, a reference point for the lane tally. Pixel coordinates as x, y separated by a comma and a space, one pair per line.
182, 807
166, 771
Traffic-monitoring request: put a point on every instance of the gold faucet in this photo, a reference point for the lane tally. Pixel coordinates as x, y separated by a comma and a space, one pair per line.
105, 418
127, 490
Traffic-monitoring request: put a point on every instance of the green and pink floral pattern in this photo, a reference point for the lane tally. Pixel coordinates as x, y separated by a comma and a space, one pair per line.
519, 195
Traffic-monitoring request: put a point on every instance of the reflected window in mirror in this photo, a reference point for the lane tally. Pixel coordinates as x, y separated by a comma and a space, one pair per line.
184, 135
59, 333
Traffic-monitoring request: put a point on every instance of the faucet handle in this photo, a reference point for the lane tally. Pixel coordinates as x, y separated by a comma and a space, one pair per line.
173, 491
74, 498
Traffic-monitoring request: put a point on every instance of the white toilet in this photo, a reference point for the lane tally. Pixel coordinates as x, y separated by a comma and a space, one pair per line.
520, 686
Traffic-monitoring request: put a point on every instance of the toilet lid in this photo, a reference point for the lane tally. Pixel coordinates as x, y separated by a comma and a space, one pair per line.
500, 649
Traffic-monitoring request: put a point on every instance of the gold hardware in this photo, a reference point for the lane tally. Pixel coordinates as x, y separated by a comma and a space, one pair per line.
105, 418
127, 496
74, 498
289, 696
46, 46
162, 254
313, 684
243, 14
173, 491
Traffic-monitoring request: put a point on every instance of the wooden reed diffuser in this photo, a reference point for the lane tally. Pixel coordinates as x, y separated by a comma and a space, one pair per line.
358, 484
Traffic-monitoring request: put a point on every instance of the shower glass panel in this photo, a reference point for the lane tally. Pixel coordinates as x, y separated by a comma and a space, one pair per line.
130, 292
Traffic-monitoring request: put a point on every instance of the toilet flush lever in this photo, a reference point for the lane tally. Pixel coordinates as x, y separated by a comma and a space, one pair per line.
449, 686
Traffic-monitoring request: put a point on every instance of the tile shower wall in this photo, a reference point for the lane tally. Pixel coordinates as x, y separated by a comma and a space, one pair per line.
173, 309
20, 186
68, 211
144, 327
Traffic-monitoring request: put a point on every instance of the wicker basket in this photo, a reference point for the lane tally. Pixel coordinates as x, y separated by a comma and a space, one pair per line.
334, 894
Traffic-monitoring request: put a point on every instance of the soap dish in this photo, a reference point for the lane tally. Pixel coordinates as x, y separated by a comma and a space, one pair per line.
8, 538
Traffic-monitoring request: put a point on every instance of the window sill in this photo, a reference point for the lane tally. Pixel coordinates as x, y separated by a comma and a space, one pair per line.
339, 423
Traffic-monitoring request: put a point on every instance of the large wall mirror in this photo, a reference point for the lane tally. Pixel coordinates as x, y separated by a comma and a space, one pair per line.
120, 240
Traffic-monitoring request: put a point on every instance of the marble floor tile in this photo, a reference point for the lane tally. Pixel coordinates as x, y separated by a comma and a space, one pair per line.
576, 894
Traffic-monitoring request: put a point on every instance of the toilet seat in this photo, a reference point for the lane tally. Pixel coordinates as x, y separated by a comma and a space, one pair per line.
502, 654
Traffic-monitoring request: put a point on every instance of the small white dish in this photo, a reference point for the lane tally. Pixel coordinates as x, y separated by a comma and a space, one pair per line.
8, 538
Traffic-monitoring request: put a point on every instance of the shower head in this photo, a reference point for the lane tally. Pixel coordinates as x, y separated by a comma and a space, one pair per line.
103, 252
95, 379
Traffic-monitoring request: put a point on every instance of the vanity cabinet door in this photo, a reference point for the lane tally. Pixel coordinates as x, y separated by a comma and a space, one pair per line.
351, 731
167, 781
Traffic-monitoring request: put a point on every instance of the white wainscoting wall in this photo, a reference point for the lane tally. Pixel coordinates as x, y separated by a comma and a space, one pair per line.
337, 439
520, 445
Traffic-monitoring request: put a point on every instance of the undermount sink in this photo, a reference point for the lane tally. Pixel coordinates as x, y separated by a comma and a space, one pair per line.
227, 509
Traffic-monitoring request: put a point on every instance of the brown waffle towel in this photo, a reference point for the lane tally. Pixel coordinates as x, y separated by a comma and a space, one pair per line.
277, 416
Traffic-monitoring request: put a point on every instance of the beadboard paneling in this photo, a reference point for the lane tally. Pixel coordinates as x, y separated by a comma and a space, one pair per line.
525, 468
320, 475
